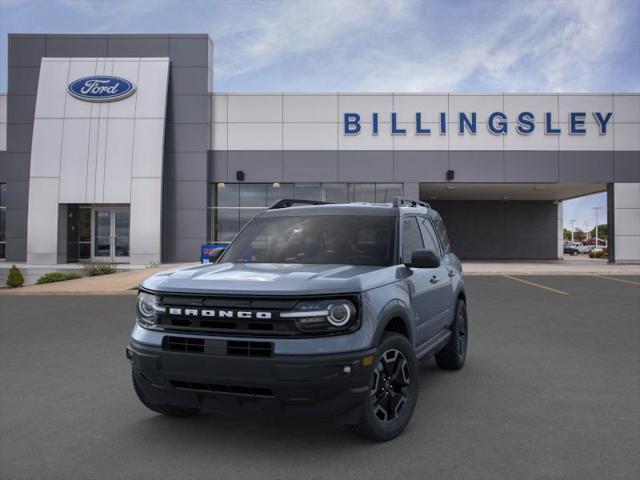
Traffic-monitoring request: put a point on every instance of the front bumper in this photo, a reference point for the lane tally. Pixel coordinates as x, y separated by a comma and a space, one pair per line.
317, 385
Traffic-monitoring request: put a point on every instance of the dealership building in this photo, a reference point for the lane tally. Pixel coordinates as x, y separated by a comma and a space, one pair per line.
118, 148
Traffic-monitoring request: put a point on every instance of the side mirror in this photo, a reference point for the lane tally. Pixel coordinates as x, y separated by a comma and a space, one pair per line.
213, 256
424, 259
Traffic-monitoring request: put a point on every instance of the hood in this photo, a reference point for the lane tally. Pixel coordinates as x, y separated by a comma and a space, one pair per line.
271, 279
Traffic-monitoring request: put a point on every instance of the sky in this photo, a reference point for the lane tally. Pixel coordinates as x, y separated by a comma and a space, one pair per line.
377, 45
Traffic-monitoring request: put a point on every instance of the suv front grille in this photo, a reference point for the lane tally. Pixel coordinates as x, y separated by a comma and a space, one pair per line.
217, 347
228, 389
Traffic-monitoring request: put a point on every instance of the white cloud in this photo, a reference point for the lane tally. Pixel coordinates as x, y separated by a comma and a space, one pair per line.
382, 46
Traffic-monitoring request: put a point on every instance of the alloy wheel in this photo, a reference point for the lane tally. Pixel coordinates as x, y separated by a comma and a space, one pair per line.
390, 388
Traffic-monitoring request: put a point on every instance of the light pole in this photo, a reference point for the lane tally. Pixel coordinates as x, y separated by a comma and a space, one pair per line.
572, 222
596, 210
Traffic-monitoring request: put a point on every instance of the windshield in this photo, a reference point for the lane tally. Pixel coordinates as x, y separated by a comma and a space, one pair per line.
338, 239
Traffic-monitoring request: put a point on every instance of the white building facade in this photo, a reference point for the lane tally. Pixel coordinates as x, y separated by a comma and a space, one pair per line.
169, 165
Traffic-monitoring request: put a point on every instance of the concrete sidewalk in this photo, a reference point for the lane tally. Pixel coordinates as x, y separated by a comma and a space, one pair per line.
112, 284
581, 265
126, 282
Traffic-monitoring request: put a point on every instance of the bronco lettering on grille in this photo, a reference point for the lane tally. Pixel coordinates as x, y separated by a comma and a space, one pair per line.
242, 314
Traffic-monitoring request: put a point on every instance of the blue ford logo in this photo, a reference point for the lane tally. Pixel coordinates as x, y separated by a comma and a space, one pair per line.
102, 88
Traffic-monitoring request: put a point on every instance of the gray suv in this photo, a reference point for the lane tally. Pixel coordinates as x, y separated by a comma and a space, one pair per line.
313, 309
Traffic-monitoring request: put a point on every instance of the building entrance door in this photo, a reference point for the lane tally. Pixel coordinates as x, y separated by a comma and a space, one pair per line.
110, 234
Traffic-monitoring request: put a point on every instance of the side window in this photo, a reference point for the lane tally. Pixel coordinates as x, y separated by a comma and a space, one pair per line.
411, 238
430, 239
442, 233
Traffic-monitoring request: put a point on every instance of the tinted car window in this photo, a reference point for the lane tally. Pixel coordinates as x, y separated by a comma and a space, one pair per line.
321, 239
430, 238
411, 238
442, 233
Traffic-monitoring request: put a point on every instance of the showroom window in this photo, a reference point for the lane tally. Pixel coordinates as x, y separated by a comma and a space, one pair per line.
3, 221
232, 205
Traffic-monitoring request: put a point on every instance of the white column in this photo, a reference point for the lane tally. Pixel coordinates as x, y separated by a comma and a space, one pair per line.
560, 236
626, 212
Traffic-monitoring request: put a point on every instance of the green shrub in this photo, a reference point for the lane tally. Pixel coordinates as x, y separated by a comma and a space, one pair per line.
15, 278
52, 277
100, 269
596, 254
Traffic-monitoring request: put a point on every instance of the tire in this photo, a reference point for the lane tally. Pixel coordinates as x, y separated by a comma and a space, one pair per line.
393, 390
454, 353
169, 410
574, 253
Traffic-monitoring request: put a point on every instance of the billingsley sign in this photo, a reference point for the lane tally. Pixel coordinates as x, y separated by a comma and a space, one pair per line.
101, 88
497, 123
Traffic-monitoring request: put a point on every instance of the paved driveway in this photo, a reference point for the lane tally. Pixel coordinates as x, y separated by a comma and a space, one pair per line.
551, 390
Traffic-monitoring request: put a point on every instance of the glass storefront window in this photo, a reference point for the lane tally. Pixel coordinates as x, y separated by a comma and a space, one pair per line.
386, 191
335, 192
232, 205
362, 192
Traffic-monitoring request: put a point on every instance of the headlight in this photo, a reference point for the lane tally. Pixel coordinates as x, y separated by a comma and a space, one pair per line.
323, 316
148, 307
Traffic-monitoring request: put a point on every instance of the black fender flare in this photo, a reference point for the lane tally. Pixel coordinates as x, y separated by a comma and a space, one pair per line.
394, 309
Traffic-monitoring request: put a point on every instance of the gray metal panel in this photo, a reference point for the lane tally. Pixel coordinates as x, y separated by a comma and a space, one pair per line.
22, 108
16, 250
365, 166
218, 165
19, 137
185, 195
258, 165
509, 230
17, 195
188, 109
586, 166
531, 166
182, 249
186, 223
185, 166
14, 167
626, 166
428, 166
26, 50
138, 46
190, 51
76, 46
188, 80
23, 80
187, 137
477, 165
16, 224
310, 166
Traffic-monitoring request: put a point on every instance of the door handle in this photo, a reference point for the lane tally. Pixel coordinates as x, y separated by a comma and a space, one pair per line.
435, 279
452, 273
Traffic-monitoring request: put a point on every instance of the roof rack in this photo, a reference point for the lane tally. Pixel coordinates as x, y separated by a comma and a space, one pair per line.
400, 201
290, 202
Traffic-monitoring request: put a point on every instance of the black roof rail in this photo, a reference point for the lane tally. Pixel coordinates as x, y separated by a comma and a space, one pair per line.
400, 201
290, 202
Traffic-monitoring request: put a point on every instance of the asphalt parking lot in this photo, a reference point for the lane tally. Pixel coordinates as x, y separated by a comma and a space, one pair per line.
551, 390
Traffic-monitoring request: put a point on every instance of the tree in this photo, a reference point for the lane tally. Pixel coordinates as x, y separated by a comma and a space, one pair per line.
603, 231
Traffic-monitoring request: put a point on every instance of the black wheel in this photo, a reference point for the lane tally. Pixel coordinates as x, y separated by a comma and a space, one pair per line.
169, 410
574, 253
393, 390
454, 353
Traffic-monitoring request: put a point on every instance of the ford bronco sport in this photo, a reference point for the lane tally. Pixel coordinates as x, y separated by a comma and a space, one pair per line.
313, 309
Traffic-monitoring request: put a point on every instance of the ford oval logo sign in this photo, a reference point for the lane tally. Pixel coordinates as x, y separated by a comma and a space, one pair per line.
101, 88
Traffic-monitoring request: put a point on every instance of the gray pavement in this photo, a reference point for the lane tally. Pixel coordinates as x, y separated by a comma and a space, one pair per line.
551, 390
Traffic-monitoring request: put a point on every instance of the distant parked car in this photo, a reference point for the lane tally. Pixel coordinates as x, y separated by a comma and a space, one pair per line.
571, 249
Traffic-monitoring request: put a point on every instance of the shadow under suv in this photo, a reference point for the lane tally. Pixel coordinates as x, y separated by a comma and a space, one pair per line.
313, 309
